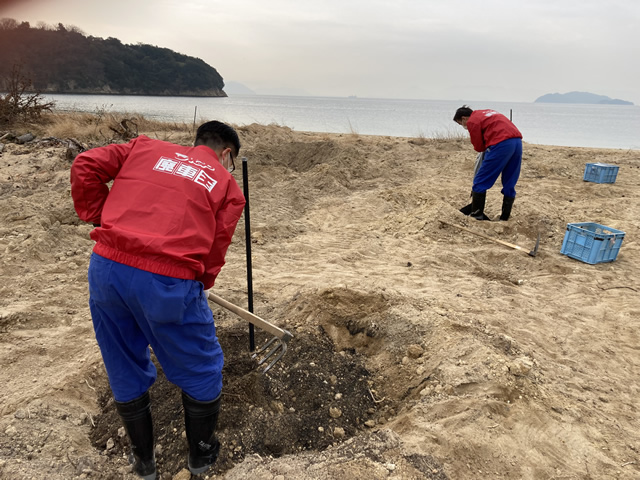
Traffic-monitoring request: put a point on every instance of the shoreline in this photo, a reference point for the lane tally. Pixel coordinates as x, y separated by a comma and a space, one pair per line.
541, 124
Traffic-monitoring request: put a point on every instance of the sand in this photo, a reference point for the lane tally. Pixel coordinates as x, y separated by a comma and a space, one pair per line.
419, 350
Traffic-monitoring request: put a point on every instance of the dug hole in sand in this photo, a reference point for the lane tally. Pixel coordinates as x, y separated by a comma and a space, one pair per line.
419, 350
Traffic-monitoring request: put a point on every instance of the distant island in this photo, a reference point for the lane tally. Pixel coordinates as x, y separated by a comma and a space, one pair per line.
237, 88
62, 59
580, 97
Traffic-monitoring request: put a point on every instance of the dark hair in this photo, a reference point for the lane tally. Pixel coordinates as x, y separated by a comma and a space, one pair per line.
463, 111
217, 134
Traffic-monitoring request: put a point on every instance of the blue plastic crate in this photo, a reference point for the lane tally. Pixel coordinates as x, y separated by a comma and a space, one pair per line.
600, 173
591, 242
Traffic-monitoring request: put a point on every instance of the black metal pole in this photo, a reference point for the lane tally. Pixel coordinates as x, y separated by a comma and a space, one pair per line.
511, 114
247, 234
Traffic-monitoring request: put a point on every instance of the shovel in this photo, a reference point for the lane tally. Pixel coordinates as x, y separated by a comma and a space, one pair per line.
276, 346
532, 253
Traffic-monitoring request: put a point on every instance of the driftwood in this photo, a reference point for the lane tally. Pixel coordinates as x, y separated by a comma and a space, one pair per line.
26, 138
74, 148
123, 129
11, 137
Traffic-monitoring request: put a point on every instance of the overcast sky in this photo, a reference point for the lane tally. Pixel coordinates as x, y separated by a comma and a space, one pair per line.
490, 50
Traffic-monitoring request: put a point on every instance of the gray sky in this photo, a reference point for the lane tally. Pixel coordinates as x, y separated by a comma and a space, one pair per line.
490, 50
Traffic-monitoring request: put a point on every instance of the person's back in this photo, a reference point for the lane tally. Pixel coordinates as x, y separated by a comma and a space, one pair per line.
160, 214
488, 127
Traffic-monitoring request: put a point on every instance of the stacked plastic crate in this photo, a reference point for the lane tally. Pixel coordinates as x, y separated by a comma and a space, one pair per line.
591, 242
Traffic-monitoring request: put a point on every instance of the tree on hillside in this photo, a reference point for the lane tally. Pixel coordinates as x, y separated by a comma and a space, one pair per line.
8, 24
62, 59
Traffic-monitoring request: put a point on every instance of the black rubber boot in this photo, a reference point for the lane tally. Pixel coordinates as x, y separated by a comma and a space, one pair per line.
507, 203
466, 210
477, 205
200, 421
136, 416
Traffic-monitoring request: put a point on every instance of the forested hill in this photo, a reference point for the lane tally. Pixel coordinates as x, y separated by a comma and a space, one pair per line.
65, 60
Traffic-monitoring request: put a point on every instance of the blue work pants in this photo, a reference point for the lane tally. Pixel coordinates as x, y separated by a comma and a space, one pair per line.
133, 309
503, 158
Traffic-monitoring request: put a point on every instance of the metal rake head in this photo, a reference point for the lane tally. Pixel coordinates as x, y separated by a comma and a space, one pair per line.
276, 346
534, 252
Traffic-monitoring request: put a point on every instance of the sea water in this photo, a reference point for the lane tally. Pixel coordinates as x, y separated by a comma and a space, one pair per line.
577, 125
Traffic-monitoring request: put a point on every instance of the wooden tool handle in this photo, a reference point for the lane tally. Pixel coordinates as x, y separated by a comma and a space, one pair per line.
249, 317
507, 244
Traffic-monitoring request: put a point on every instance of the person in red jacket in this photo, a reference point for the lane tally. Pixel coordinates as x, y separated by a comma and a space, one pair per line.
500, 140
162, 232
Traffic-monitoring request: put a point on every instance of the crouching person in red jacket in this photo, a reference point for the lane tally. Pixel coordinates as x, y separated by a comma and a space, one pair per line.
162, 232
494, 134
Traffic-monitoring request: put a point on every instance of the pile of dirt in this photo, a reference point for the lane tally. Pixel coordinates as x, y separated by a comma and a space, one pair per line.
312, 398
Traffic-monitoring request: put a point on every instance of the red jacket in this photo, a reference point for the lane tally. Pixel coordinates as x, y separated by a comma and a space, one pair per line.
171, 210
488, 127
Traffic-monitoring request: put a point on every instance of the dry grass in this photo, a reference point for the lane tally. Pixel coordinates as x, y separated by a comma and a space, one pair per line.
102, 127
449, 134
439, 136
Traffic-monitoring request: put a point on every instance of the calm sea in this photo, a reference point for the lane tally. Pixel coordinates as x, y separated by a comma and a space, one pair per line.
602, 126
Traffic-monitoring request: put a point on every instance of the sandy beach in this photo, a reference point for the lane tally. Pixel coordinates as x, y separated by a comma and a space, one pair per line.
419, 350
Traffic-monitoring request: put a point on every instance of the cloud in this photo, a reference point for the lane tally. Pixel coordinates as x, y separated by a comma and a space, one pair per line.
436, 49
